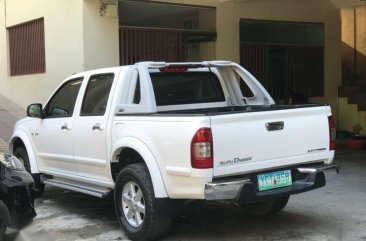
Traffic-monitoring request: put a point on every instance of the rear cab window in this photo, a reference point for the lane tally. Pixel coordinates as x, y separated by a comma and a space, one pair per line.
186, 87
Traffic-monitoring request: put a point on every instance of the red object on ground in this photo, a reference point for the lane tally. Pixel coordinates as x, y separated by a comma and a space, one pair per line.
356, 144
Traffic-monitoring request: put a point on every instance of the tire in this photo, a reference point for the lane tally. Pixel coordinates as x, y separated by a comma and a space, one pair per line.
265, 208
22, 155
138, 211
4, 219
280, 204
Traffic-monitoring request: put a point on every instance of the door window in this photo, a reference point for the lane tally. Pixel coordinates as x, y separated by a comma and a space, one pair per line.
96, 95
63, 102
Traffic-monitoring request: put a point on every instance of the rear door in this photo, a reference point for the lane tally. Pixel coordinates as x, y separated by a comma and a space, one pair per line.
90, 126
253, 141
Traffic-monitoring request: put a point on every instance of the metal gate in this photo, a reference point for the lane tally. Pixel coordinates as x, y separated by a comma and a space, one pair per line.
295, 72
149, 45
169, 45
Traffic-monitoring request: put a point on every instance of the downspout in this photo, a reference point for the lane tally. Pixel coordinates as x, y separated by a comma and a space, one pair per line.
5, 13
354, 41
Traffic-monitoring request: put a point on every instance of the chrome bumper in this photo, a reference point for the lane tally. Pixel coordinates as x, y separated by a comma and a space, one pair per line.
234, 190
313, 170
225, 190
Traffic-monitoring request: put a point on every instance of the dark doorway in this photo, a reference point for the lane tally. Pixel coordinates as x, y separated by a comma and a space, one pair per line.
277, 73
286, 57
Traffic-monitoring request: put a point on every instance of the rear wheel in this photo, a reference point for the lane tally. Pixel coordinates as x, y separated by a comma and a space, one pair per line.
265, 208
22, 155
136, 206
4, 219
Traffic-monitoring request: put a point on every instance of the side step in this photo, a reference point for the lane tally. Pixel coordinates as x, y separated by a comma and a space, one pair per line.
80, 187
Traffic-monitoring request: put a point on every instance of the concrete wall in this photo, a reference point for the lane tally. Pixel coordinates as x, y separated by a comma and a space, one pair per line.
63, 46
354, 62
101, 38
229, 14
76, 39
353, 28
349, 116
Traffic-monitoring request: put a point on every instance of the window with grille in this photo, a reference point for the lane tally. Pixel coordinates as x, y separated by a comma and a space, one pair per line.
27, 48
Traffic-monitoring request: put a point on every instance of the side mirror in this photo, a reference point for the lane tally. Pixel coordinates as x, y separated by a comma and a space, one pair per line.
35, 110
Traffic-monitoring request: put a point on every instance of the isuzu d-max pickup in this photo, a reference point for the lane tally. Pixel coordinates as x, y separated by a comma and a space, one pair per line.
154, 134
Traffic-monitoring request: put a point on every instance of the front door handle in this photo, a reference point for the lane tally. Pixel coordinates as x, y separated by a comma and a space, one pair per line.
65, 127
97, 126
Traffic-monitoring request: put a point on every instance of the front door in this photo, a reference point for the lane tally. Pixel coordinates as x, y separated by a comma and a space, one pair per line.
90, 128
53, 137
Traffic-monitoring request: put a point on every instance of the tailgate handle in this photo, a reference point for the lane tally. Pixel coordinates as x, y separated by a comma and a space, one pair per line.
275, 126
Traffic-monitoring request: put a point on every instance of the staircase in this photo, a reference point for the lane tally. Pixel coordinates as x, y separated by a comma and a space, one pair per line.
356, 94
352, 105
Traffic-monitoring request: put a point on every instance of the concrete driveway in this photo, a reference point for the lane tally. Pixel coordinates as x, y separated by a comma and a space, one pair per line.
335, 212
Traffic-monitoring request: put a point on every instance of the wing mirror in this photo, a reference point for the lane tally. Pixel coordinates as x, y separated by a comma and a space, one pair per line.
35, 110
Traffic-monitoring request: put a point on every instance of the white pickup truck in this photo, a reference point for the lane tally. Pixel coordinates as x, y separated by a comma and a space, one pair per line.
154, 133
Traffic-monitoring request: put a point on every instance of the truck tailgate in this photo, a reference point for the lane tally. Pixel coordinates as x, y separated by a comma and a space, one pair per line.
254, 141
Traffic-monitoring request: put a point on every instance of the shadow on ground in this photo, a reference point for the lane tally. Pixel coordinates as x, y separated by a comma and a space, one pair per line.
335, 212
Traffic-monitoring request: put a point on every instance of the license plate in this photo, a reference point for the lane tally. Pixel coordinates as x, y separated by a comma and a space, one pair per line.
274, 180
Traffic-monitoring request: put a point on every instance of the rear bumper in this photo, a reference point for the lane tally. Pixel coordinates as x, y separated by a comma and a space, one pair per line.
245, 189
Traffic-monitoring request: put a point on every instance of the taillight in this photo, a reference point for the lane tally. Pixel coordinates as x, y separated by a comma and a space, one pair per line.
202, 149
173, 69
332, 133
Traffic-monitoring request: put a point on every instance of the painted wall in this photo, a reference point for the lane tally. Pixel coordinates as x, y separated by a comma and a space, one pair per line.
354, 40
76, 39
63, 45
101, 38
353, 62
229, 14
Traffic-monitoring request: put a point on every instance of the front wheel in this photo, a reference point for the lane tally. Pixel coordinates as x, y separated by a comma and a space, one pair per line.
136, 206
265, 208
22, 155
4, 219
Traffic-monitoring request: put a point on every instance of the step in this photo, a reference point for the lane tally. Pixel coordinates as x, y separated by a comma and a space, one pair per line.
357, 98
361, 107
345, 91
79, 187
360, 83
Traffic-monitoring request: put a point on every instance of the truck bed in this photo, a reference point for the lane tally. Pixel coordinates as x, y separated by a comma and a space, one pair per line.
236, 109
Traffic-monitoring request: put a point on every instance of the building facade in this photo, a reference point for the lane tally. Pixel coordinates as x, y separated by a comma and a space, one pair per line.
293, 47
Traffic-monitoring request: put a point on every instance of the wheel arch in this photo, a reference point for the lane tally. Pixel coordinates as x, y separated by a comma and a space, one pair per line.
148, 158
21, 139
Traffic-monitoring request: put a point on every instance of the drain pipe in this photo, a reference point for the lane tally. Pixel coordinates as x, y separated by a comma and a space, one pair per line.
355, 41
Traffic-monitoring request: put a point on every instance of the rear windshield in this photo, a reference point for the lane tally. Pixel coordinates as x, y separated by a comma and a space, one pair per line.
176, 88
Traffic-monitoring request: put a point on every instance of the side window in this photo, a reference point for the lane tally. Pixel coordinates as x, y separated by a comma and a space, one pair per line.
137, 96
63, 102
244, 88
96, 95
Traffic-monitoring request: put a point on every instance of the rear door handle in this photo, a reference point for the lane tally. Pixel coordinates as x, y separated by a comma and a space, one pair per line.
65, 127
97, 126
275, 126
